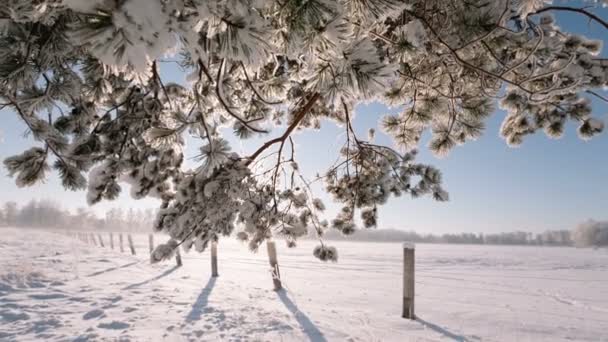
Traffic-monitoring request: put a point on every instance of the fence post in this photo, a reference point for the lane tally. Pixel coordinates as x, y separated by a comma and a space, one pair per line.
408, 280
214, 259
92, 238
178, 257
274, 264
131, 244
100, 240
122, 248
151, 243
111, 241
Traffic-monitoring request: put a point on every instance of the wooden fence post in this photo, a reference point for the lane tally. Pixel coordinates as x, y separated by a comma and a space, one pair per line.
274, 264
214, 259
131, 244
122, 248
151, 243
178, 257
92, 237
408, 280
100, 240
111, 241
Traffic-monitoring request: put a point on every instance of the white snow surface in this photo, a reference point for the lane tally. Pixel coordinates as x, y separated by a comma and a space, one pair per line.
57, 288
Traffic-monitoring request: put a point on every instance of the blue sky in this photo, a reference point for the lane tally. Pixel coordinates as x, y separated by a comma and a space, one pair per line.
544, 184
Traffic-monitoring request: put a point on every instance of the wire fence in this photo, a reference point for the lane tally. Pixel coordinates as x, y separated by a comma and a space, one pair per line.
470, 282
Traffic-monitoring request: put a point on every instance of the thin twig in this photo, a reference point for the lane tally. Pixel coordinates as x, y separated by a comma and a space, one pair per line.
576, 10
218, 92
296, 121
255, 91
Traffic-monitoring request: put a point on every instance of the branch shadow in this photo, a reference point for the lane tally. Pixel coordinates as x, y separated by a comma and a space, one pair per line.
201, 301
309, 328
162, 275
442, 330
112, 269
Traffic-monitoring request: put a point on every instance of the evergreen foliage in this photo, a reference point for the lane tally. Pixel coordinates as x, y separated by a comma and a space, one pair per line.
83, 75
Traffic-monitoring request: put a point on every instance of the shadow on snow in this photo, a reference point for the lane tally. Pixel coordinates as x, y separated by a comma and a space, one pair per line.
309, 328
112, 269
201, 302
162, 275
441, 330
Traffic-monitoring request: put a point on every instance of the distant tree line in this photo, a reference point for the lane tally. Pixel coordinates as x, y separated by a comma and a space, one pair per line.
588, 234
49, 214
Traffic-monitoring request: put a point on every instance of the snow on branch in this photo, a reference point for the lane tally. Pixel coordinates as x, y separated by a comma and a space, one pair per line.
86, 79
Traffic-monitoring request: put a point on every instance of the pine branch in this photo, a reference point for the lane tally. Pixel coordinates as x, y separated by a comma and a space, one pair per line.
107, 113
463, 62
24, 118
204, 70
159, 81
603, 98
296, 121
218, 92
255, 91
575, 10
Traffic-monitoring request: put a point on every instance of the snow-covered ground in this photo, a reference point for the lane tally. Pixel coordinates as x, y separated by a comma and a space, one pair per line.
57, 288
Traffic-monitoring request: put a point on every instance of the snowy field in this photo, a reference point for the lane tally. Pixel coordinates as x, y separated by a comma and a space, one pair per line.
56, 288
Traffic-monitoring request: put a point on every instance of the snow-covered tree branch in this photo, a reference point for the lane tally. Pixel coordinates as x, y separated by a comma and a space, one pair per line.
84, 77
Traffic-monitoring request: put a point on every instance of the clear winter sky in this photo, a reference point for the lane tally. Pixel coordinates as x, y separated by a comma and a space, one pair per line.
544, 184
